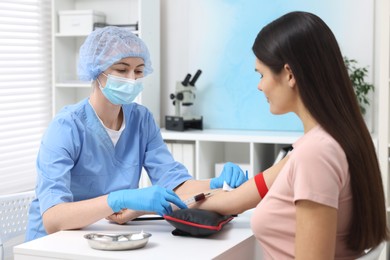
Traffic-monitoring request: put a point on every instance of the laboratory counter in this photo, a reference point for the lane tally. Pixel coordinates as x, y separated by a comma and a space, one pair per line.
234, 241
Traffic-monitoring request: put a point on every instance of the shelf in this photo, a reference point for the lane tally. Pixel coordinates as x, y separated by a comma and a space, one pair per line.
63, 35
254, 151
267, 137
67, 89
59, 35
73, 84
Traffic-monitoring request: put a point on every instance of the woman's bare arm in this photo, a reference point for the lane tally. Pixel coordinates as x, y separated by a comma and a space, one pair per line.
315, 231
242, 198
191, 187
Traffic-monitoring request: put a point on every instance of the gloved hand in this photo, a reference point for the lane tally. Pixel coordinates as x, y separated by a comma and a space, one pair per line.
153, 199
232, 174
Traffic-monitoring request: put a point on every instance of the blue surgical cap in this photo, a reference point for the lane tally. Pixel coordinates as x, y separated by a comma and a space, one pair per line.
105, 46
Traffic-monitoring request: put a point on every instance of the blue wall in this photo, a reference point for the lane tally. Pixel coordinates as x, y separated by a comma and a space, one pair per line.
221, 35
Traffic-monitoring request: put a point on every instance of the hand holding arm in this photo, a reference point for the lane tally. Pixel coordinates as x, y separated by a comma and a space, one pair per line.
153, 199
125, 215
232, 174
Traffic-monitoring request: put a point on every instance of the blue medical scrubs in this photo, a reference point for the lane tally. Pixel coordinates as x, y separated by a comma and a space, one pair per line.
78, 161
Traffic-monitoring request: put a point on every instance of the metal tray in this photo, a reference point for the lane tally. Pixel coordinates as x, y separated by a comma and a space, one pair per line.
126, 241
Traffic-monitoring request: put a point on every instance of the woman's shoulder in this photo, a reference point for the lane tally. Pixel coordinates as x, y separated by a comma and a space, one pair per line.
320, 155
318, 143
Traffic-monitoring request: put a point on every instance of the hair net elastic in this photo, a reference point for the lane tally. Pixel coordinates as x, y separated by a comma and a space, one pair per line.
105, 46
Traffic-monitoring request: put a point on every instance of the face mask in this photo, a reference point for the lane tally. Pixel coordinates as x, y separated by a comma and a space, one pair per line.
121, 91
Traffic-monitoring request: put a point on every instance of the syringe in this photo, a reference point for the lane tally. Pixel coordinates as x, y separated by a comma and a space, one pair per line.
196, 198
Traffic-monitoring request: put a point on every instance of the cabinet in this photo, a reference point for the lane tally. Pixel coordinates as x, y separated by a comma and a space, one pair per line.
382, 82
67, 89
256, 150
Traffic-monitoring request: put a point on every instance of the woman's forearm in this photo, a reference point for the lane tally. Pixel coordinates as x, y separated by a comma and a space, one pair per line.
232, 202
75, 215
192, 187
242, 198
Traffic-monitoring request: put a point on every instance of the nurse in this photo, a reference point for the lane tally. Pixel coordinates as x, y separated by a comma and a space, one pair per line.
91, 156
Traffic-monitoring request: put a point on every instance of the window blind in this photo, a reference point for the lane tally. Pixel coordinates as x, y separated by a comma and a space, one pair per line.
25, 89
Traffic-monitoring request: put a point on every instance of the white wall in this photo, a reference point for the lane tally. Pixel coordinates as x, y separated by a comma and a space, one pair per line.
185, 39
174, 50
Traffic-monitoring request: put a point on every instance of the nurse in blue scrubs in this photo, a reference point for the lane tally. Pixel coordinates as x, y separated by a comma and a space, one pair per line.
90, 159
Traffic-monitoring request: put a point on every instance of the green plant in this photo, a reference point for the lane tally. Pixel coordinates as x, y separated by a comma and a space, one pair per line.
361, 87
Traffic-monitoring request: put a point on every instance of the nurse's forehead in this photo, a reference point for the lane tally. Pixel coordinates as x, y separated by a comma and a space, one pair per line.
131, 61
128, 65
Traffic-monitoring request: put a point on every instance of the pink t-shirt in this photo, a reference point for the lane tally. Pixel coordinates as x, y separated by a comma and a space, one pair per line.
317, 170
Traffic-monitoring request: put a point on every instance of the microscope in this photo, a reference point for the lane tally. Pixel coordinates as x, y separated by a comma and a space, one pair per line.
184, 96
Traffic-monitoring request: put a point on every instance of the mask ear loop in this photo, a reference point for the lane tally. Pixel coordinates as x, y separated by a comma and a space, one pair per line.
100, 84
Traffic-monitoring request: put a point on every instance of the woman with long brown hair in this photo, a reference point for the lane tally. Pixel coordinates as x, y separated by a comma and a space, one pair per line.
325, 199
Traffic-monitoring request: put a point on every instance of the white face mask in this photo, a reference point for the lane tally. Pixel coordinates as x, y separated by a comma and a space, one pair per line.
121, 91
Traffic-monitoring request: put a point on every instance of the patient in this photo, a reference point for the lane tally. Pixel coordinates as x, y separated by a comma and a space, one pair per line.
325, 198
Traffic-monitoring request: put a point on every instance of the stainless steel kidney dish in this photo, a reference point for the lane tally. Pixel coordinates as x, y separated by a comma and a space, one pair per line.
126, 241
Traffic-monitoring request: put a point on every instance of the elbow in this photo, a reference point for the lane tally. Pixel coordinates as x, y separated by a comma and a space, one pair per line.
50, 221
226, 212
236, 207
50, 229
49, 225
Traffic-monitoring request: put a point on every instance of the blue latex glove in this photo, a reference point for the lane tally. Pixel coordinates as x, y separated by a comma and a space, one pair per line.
232, 174
154, 199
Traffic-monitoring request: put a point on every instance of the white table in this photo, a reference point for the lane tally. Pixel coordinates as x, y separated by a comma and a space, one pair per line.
234, 241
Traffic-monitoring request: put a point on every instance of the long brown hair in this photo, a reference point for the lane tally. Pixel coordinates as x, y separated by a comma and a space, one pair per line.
304, 42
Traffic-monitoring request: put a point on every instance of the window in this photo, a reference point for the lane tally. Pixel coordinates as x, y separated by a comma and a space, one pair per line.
25, 89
